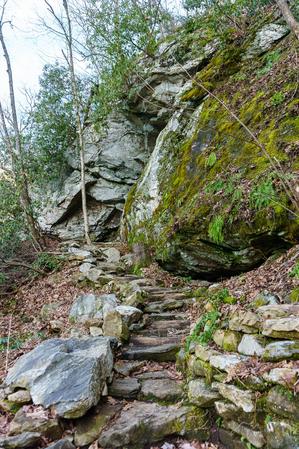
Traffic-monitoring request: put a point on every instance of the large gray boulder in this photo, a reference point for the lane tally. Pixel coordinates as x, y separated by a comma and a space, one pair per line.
67, 375
90, 306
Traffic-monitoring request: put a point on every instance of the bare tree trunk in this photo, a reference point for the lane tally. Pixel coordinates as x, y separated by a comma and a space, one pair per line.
70, 60
15, 148
288, 16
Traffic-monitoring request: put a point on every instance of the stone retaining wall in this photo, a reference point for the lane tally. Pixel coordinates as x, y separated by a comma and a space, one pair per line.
248, 377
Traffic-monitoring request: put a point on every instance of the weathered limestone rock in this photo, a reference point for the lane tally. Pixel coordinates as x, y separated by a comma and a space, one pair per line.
95, 331
127, 388
281, 328
205, 353
145, 423
252, 345
115, 325
167, 390
286, 377
254, 437
35, 420
89, 427
226, 339
245, 321
67, 375
19, 397
201, 394
278, 311
243, 399
225, 362
283, 402
281, 350
231, 440
282, 434
265, 38
90, 306
112, 255
129, 314
27, 439
195, 367
263, 299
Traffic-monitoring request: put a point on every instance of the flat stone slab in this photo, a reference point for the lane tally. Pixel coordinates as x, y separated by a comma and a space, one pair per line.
35, 419
62, 444
125, 368
281, 350
281, 328
67, 375
27, 439
145, 423
161, 390
162, 353
127, 388
201, 394
89, 427
243, 399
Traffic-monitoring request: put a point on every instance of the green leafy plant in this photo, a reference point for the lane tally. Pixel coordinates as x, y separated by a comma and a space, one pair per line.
2, 278
204, 329
211, 160
294, 273
262, 195
269, 60
277, 98
216, 229
215, 186
47, 262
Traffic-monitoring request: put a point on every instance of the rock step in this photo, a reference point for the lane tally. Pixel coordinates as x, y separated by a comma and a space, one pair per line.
144, 423
164, 290
173, 315
161, 333
141, 340
159, 353
161, 296
162, 306
150, 389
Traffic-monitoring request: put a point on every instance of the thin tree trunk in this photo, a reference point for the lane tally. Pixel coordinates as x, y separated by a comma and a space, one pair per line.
288, 16
17, 155
70, 60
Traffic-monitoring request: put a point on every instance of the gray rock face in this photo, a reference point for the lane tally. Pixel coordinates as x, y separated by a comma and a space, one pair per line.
281, 350
265, 38
90, 306
201, 394
27, 439
146, 423
114, 159
68, 375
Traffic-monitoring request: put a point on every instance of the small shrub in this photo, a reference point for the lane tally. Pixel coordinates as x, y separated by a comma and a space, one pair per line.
270, 59
216, 229
2, 278
47, 262
204, 329
294, 273
215, 186
277, 98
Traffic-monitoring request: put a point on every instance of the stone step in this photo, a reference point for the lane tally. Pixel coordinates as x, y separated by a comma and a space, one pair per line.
127, 388
155, 390
173, 315
159, 353
143, 423
161, 333
162, 306
141, 340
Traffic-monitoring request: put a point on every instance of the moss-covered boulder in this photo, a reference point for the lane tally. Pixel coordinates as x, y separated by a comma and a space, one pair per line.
213, 199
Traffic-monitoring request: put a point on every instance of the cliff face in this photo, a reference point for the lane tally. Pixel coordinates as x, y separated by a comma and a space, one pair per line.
210, 200
204, 199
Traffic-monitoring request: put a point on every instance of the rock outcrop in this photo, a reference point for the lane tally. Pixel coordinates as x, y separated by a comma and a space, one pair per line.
210, 201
